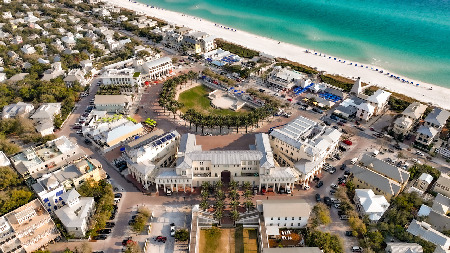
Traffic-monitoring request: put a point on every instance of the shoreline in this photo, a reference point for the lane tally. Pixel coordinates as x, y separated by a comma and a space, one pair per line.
426, 93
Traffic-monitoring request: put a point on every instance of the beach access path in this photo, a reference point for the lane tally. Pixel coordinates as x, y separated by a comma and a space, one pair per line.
437, 95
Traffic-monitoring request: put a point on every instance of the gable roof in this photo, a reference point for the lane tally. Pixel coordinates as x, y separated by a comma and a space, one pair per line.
385, 169
427, 130
379, 97
414, 110
438, 117
376, 180
426, 232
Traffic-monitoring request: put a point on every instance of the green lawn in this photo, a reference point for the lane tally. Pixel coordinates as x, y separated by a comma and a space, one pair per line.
197, 99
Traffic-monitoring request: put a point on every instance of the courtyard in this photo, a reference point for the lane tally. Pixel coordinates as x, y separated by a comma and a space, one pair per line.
197, 98
228, 240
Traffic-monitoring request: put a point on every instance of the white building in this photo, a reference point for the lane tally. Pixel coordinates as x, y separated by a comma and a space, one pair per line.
200, 42
285, 213
112, 103
4, 161
304, 145
32, 226
434, 123
120, 77
403, 247
285, 79
52, 73
404, 123
76, 76
20, 109
28, 49
158, 68
44, 117
367, 203
75, 213
375, 104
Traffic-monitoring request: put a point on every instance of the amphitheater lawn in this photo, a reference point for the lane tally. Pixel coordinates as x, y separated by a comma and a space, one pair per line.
197, 99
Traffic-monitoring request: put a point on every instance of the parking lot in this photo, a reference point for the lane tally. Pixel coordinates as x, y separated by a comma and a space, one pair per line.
163, 216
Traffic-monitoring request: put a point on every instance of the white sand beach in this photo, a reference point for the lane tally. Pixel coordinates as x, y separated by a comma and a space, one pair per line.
426, 93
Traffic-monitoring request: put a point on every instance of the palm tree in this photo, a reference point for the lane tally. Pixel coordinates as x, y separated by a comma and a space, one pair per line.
234, 195
220, 121
247, 185
218, 185
235, 215
219, 215
205, 186
204, 205
233, 185
248, 204
247, 194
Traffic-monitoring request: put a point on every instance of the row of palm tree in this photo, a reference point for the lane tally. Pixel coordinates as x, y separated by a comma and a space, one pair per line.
230, 121
168, 91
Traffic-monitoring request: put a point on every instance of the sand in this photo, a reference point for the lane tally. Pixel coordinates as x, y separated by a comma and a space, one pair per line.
425, 92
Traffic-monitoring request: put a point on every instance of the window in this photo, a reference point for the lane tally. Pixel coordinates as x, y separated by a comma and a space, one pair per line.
201, 168
292, 218
196, 168
292, 224
299, 224
207, 168
299, 218
201, 163
183, 173
271, 218
278, 218
285, 218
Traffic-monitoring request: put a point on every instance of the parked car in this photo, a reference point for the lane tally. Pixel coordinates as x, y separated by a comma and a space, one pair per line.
306, 187
334, 186
110, 224
87, 141
327, 201
118, 195
347, 142
317, 197
161, 239
357, 249
343, 166
105, 231
332, 170
288, 190
337, 206
100, 237
319, 184
172, 229
349, 233
344, 217
332, 191
126, 241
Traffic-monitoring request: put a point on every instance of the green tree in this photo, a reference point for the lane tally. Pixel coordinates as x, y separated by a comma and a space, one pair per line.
182, 235
321, 215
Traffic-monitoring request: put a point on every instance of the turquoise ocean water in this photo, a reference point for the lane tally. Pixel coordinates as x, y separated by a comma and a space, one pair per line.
409, 37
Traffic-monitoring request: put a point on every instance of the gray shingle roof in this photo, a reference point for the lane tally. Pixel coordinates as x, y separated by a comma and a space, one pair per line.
376, 180
385, 169
426, 232
438, 117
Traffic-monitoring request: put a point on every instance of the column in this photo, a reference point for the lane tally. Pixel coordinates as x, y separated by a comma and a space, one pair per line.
184, 188
157, 187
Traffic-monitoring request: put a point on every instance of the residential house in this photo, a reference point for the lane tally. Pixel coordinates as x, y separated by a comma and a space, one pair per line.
69, 40
438, 215
200, 42
17, 40
32, 225
8, 239
4, 161
53, 72
434, 123
44, 117
404, 123
423, 182
2, 75
86, 65
403, 247
375, 104
113, 103
383, 178
50, 186
20, 109
442, 185
28, 49
427, 233
367, 203
76, 76
75, 212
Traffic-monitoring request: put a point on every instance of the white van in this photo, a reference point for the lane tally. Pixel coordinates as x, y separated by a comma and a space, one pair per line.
288, 190
354, 160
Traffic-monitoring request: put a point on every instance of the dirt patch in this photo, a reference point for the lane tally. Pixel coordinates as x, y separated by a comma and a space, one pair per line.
217, 241
250, 237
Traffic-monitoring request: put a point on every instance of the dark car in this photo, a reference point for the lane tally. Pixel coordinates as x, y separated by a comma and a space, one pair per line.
317, 197
319, 184
344, 131
343, 167
105, 231
131, 222
261, 90
332, 191
397, 146
76, 127
327, 201
327, 123
317, 110
87, 141
347, 172
316, 179
100, 237
110, 224
118, 195
348, 233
